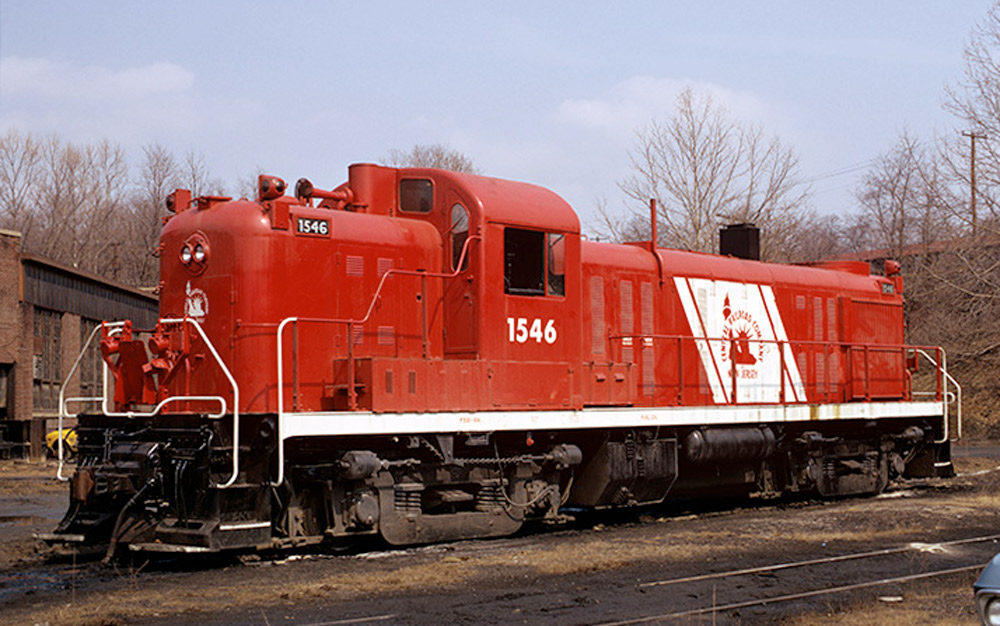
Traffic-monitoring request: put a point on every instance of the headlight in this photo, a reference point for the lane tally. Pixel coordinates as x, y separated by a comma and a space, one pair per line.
992, 612
199, 253
988, 602
185, 255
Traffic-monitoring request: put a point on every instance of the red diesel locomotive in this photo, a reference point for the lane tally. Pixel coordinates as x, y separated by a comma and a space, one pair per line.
428, 355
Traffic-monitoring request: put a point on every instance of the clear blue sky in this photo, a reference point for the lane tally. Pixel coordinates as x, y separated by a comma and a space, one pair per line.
547, 92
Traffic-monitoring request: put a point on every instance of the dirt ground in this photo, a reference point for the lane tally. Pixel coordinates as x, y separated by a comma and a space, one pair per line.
31, 500
596, 571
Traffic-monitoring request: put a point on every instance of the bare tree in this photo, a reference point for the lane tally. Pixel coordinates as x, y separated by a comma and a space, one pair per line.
818, 238
975, 101
617, 227
20, 178
100, 232
903, 200
66, 199
953, 286
432, 155
195, 176
60, 195
706, 169
78, 204
159, 175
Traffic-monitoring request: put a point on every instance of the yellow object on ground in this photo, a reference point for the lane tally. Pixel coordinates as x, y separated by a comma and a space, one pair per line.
69, 442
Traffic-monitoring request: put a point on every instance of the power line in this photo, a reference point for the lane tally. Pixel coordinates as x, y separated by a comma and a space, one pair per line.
826, 190
847, 169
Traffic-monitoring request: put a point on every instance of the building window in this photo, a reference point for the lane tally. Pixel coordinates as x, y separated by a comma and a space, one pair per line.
416, 195
48, 348
6, 391
459, 233
90, 364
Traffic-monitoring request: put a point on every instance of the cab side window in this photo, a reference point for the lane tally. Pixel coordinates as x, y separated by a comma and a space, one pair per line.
534, 263
524, 262
459, 233
557, 264
416, 195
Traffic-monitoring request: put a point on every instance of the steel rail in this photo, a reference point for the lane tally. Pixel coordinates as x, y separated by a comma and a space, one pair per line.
912, 547
356, 620
794, 596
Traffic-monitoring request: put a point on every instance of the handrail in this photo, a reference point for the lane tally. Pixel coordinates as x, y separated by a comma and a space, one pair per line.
166, 401
236, 396
62, 389
352, 397
785, 345
281, 404
943, 369
116, 327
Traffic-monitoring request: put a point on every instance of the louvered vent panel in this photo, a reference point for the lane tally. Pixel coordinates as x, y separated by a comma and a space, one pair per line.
801, 360
647, 309
384, 265
386, 335
627, 319
597, 314
648, 367
818, 319
648, 346
355, 265
831, 319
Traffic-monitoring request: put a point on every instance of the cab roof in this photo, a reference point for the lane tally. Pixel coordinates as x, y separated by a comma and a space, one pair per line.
510, 202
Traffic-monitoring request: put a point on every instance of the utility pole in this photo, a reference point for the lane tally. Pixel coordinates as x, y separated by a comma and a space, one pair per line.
972, 174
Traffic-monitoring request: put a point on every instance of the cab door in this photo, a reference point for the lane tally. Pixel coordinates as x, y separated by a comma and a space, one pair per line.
539, 329
460, 305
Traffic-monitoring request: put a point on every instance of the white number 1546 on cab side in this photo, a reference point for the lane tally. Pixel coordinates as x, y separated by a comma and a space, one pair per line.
522, 329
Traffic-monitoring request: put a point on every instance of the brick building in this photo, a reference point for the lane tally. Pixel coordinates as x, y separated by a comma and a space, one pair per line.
47, 311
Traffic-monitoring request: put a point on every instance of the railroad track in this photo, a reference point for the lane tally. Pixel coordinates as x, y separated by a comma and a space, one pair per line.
640, 595
799, 579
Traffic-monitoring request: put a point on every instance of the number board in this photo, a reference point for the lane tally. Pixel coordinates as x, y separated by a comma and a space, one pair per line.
312, 226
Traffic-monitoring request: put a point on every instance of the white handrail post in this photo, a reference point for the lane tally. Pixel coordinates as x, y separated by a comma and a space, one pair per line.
281, 403
62, 401
236, 395
946, 377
